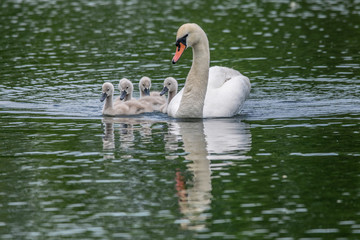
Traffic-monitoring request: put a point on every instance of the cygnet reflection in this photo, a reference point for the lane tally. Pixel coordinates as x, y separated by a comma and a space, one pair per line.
124, 128
108, 138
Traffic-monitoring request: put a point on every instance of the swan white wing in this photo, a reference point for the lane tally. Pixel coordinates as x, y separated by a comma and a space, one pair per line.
228, 99
219, 75
175, 103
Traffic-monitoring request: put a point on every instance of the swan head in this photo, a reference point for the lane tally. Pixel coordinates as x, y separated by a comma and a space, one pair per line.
145, 85
188, 35
125, 88
107, 91
170, 85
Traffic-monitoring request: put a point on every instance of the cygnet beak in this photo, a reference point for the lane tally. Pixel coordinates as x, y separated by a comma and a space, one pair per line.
123, 95
103, 97
164, 90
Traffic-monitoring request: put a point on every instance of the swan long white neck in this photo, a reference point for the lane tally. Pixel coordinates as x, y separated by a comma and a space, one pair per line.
192, 102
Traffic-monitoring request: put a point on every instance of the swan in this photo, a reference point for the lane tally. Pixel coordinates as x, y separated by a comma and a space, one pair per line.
208, 92
170, 87
144, 87
130, 107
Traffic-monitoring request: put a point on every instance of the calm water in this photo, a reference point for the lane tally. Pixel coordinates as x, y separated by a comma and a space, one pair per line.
288, 167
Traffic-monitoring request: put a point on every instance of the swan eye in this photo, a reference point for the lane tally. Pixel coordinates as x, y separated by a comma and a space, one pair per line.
181, 40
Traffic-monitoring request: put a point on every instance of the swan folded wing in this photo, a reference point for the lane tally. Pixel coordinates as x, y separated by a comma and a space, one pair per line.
219, 75
228, 99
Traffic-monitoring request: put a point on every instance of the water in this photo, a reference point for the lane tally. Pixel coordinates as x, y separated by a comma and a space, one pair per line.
286, 168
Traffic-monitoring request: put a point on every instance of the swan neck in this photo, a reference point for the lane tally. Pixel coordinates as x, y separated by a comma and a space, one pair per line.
192, 102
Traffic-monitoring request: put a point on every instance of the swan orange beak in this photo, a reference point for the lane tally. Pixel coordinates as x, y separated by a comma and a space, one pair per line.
179, 51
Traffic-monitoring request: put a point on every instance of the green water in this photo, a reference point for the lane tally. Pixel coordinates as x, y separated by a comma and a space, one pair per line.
287, 167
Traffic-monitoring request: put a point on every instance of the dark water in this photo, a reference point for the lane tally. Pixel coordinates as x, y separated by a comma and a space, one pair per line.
288, 167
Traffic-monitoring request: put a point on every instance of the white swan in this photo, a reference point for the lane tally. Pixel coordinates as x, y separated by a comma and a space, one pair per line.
130, 107
214, 92
170, 87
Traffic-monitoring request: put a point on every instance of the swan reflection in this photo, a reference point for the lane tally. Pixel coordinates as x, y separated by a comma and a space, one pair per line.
205, 140
209, 144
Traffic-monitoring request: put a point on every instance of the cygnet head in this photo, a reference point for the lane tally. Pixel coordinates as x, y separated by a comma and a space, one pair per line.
107, 91
170, 85
126, 88
144, 86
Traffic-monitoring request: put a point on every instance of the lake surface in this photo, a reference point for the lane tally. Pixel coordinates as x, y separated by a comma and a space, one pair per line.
287, 167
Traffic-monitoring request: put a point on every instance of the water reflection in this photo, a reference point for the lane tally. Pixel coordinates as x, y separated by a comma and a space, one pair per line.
108, 138
74, 181
204, 141
126, 129
209, 145
195, 195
